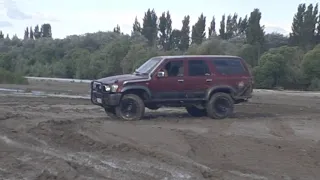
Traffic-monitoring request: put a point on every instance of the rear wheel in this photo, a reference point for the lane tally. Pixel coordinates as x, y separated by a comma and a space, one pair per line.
111, 112
131, 108
196, 112
220, 106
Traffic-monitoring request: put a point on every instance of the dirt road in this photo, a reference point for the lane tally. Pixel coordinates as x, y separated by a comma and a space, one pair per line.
272, 137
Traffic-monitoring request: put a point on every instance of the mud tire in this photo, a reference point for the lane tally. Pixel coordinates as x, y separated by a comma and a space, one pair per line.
220, 106
136, 103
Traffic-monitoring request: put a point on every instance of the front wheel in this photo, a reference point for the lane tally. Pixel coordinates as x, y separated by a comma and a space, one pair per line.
220, 106
131, 108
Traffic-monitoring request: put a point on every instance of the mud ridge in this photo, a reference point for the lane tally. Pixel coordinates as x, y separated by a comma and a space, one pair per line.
66, 134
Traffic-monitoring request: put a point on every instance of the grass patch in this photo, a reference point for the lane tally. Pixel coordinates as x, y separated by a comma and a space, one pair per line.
7, 77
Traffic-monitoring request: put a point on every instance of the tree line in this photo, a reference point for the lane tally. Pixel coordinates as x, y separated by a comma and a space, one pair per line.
276, 60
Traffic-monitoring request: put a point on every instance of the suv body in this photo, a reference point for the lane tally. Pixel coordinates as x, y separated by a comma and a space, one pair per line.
201, 83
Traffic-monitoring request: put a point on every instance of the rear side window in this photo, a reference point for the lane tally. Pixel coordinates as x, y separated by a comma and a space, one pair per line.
198, 68
228, 66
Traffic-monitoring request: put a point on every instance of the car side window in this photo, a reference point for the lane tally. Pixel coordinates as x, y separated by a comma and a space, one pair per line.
198, 68
174, 68
228, 66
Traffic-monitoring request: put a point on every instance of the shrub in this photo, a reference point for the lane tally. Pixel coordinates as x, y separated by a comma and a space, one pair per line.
7, 77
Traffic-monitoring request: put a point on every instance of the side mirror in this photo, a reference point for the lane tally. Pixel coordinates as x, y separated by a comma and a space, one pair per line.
160, 74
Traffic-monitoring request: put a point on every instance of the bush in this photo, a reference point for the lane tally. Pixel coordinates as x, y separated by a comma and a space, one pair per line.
7, 77
315, 85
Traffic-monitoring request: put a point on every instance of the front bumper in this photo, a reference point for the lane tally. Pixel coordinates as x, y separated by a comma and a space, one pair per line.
102, 98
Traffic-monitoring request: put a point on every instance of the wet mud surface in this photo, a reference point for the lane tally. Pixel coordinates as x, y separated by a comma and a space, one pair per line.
271, 137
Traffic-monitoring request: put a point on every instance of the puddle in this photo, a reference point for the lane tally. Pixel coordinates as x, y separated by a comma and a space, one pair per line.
11, 90
59, 79
200, 130
248, 176
41, 94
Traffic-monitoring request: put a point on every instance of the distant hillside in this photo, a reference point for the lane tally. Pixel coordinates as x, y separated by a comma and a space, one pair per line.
271, 29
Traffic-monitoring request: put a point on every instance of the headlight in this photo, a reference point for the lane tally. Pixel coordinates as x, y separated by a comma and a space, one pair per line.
114, 88
107, 88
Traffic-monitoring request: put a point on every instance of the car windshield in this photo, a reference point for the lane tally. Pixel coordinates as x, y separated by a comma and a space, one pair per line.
148, 66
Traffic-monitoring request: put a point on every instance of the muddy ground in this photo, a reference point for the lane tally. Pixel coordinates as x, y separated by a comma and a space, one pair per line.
275, 136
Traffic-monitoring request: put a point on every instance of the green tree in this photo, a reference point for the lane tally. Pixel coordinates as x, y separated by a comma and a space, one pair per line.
231, 26
26, 33
318, 31
304, 26
214, 45
297, 25
310, 22
222, 30
31, 33
185, 34
212, 28
255, 33
175, 39
136, 26
37, 33
198, 30
46, 31
280, 67
275, 40
150, 26
165, 28
242, 25
271, 69
162, 28
117, 29
168, 44
311, 63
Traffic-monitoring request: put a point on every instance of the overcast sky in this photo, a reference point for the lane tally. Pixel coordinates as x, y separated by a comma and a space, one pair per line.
69, 17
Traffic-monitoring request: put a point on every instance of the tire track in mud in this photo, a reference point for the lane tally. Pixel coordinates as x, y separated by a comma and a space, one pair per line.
212, 152
160, 161
100, 167
224, 152
280, 128
66, 135
65, 142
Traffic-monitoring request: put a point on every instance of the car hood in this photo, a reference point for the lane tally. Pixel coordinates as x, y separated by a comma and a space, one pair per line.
121, 78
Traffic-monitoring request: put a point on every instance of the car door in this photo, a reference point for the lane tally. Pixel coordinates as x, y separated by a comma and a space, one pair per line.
198, 78
171, 86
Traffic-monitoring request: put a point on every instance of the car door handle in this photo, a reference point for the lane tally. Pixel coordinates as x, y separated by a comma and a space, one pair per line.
208, 80
180, 80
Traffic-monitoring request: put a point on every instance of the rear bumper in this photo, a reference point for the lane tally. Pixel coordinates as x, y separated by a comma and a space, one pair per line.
105, 99
244, 94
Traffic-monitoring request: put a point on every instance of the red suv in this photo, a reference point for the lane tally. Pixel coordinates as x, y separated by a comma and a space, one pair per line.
206, 85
